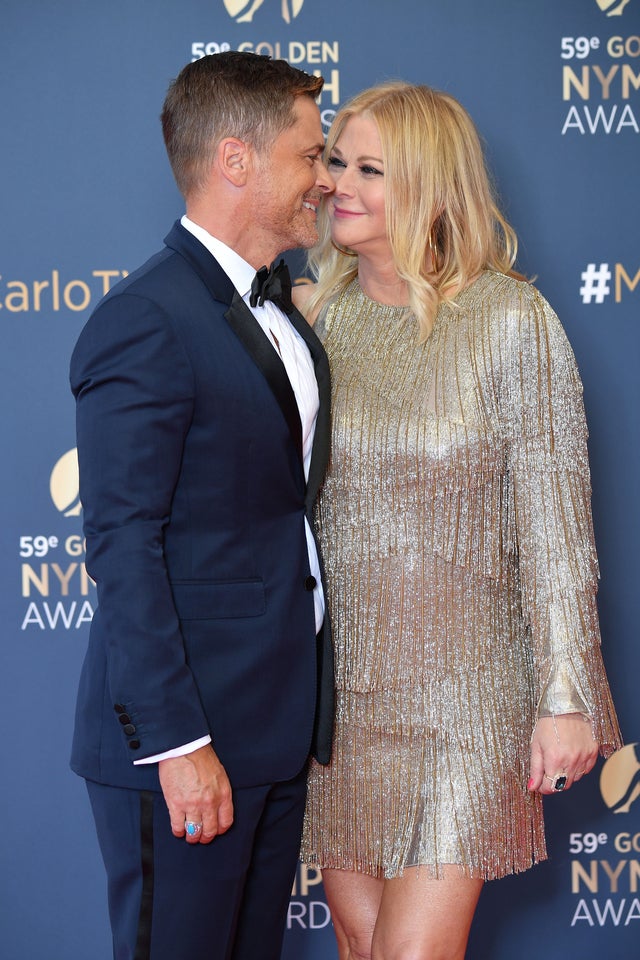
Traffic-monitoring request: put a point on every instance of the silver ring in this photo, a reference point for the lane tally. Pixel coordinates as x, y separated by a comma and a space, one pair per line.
192, 828
558, 782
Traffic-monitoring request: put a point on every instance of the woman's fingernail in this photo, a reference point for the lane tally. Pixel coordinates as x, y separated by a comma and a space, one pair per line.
530, 783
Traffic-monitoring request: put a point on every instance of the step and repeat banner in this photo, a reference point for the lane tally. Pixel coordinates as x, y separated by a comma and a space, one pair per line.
86, 195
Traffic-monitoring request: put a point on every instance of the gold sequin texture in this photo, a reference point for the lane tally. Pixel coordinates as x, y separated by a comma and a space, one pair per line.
455, 526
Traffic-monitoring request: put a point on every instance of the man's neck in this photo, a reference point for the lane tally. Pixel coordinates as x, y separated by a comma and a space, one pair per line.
236, 230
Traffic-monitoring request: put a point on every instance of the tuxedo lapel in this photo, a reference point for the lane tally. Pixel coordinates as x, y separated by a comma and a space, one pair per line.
243, 323
320, 450
256, 342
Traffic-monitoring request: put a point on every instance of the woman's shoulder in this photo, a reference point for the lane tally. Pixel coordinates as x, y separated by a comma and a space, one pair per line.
510, 300
503, 285
522, 322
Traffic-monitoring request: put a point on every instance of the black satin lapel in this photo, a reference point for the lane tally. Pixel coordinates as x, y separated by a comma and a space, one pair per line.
321, 439
257, 344
242, 321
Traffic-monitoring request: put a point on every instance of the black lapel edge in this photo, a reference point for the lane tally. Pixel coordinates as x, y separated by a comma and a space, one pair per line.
242, 322
250, 333
320, 450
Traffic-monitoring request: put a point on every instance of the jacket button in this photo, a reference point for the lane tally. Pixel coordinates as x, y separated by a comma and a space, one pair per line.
134, 744
119, 708
124, 718
129, 729
310, 583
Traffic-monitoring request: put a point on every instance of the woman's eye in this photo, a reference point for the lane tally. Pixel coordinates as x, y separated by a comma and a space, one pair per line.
335, 162
371, 171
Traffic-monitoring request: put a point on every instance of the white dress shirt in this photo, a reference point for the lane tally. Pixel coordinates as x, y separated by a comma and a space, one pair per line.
298, 363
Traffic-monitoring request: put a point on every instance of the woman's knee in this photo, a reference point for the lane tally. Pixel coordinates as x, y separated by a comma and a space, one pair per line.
359, 947
412, 950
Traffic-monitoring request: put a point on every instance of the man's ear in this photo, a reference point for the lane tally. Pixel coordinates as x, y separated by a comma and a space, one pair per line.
234, 160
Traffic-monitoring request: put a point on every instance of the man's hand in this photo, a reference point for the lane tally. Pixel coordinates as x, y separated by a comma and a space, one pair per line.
196, 789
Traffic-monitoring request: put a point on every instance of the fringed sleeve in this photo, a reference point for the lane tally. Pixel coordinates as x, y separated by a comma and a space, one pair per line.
550, 525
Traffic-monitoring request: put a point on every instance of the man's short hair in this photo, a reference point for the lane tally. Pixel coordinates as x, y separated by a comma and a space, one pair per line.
230, 94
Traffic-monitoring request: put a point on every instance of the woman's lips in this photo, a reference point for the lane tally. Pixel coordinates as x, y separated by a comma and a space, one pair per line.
342, 213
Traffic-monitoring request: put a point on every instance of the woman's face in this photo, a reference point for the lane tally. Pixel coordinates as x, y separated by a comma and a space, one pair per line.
357, 207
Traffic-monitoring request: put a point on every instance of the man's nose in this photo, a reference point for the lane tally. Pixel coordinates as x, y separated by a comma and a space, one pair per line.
324, 180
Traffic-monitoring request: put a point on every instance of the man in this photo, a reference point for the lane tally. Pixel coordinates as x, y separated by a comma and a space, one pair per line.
202, 419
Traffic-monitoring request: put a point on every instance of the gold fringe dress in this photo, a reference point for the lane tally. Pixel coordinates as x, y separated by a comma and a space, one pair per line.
456, 531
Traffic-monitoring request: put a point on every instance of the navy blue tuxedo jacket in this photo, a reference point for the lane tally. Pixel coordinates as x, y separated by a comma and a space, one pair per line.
194, 497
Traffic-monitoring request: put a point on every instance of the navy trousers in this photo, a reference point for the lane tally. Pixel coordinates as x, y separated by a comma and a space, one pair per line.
227, 900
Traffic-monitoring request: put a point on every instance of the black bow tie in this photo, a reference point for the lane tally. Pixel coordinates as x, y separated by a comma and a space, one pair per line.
273, 284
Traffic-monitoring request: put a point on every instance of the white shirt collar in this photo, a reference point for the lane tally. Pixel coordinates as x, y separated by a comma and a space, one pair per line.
238, 270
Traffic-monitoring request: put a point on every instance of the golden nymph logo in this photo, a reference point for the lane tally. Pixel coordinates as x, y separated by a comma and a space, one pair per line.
242, 11
58, 591
613, 8
64, 484
620, 779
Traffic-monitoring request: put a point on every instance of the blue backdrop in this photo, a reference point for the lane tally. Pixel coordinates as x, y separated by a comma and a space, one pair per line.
86, 195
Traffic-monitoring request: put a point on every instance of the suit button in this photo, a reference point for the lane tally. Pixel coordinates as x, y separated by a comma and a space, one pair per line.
124, 718
310, 583
119, 708
129, 729
134, 744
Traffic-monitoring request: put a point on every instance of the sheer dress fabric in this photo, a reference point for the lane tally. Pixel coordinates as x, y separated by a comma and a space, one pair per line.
455, 526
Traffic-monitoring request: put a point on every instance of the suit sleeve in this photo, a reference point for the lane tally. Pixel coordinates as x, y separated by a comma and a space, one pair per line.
134, 393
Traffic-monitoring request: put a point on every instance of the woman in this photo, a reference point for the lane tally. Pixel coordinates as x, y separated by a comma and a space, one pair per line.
456, 529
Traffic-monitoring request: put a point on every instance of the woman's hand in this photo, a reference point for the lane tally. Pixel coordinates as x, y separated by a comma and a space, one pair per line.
561, 747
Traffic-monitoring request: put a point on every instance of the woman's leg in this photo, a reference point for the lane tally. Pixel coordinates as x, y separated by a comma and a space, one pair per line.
354, 901
424, 918
412, 917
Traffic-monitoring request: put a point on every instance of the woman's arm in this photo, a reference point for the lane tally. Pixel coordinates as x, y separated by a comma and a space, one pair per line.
543, 416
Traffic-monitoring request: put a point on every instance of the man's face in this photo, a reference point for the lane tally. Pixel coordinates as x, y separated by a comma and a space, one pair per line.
290, 179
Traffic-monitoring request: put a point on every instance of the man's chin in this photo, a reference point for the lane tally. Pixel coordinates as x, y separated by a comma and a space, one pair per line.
310, 239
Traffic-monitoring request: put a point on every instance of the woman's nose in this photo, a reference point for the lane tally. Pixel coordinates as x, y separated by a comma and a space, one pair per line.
343, 182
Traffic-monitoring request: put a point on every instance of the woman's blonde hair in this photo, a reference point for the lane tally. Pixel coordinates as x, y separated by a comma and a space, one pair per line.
443, 223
